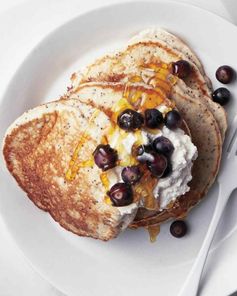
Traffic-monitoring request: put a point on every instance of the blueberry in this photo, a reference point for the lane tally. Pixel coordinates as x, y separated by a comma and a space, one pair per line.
157, 165
153, 118
105, 157
178, 228
168, 169
173, 119
143, 153
181, 68
131, 174
163, 145
130, 120
121, 194
221, 96
225, 74
143, 148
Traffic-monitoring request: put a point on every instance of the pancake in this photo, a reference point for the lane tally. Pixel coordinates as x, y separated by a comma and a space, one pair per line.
205, 135
49, 149
39, 149
142, 58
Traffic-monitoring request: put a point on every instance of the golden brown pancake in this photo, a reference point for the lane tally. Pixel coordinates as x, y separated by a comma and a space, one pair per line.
42, 152
39, 148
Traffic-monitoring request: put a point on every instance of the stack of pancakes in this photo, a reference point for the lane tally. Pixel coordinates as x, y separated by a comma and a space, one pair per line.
40, 146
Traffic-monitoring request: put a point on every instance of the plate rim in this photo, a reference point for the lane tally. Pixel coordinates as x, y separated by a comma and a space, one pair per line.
43, 40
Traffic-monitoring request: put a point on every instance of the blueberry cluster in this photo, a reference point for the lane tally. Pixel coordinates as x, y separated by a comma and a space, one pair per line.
130, 120
159, 164
156, 155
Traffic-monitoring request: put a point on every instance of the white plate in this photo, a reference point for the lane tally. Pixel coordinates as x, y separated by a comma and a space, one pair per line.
128, 265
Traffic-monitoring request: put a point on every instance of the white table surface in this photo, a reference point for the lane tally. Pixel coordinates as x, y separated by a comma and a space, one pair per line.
22, 25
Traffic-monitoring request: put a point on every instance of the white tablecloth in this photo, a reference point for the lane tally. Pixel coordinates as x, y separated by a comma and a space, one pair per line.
22, 25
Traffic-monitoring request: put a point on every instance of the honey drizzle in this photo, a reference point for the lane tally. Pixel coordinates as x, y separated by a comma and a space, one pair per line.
133, 100
162, 82
105, 181
107, 200
162, 79
120, 106
125, 159
74, 164
144, 189
153, 230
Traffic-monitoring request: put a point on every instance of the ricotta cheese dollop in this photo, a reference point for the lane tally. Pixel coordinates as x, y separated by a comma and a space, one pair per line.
174, 185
